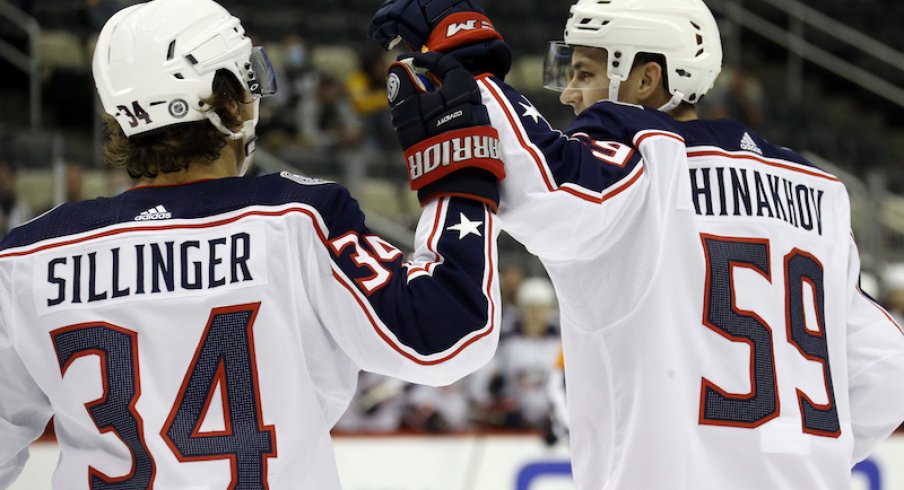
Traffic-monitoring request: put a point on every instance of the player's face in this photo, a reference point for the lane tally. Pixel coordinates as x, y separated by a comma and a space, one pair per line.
589, 80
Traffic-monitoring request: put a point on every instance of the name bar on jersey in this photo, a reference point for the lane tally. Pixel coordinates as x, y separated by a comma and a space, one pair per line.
148, 268
729, 191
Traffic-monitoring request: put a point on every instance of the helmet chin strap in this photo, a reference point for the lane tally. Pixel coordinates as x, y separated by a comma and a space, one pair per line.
248, 134
673, 102
615, 83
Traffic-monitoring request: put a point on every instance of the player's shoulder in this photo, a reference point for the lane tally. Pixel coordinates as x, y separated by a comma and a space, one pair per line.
58, 221
621, 122
152, 205
734, 137
284, 187
332, 202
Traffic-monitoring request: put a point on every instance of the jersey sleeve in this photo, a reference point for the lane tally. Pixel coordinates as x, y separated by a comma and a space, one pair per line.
593, 174
430, 320
875, 367
24, 412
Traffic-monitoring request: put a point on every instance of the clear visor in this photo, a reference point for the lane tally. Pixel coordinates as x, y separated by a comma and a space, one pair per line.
260, 75
563, 70
557, 69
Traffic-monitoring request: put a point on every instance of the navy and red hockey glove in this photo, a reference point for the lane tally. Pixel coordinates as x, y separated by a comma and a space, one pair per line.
456, 27
450, 147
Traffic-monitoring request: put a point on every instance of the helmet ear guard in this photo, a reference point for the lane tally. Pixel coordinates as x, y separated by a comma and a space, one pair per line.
684, 32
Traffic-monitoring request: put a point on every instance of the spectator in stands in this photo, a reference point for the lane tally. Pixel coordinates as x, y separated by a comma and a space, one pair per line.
367, 91
298, 80
327, 121
366, 86
13, 210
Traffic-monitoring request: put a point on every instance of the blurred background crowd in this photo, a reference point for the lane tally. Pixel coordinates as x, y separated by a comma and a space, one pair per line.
826, 79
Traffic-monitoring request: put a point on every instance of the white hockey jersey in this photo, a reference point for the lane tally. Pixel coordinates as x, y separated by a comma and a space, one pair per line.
714, 333
209, 335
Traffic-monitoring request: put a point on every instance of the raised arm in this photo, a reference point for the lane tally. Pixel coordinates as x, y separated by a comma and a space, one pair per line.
434, 319
429, 320
574, 185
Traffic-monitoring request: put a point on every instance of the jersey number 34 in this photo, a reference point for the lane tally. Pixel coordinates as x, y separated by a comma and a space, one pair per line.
224, 357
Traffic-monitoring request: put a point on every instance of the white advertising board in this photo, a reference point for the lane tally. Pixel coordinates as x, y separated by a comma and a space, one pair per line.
473, 462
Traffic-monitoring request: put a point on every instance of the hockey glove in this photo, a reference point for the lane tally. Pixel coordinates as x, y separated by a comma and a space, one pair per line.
450, 147
456, 27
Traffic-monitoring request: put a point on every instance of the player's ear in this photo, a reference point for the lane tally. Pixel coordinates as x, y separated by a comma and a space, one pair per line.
649, 81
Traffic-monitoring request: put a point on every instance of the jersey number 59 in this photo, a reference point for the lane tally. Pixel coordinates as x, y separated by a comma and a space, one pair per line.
722, 315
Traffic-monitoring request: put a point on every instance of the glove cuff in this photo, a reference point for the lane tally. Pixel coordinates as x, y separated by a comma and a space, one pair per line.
461, 29
469, 183
434, 158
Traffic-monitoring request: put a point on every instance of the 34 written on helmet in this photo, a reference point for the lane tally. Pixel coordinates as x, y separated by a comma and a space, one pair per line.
155, 63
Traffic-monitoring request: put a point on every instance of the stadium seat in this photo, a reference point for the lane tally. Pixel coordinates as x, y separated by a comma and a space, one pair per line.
60, 49
335, 60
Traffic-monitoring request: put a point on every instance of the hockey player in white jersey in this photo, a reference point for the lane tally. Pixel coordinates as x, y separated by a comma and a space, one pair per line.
714, 333
204, 330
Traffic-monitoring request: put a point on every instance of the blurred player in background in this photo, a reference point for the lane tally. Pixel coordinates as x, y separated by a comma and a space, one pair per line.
713, 328
206, 330
558, 414
525, 358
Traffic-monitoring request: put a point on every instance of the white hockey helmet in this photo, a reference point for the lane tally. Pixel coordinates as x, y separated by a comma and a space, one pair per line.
154, 63
536, 291
683, 31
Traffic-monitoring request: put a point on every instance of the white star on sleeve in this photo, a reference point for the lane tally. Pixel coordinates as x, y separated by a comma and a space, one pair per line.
466, 227
531, 112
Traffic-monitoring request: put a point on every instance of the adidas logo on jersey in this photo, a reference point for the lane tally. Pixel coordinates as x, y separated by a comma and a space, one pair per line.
158, 212
748, 144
